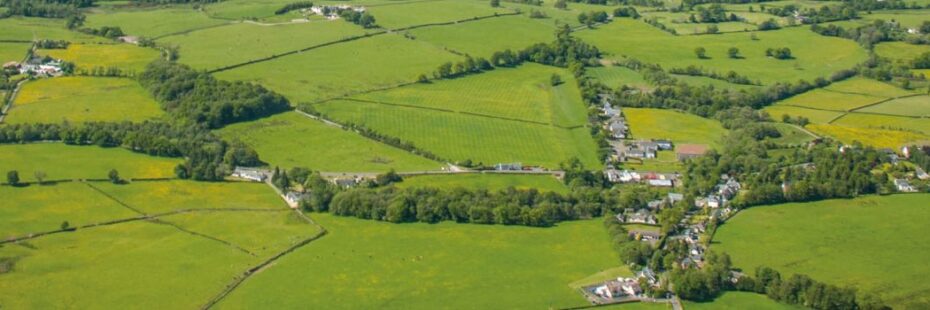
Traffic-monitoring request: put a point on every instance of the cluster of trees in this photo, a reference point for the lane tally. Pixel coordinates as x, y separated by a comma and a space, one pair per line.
715, 13
626, 11
920, 156
730, 76
655, 23
111, 71
779, 53
52, 44
43, 8
207, 157
198, 97
867, 35
364, 19
803, 291
293, 6
468, 66
706, 283
151, 2
563, 51
823, 14
593, 17
770, 24
105, 31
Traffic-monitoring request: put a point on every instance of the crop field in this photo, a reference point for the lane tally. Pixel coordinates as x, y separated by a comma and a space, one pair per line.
344, 69
243, 42
900, 51
30, 28
128, 58
421, 13
153, 23
859, 242
676, 126
460, 137
13, 51
82, 99
293, 140
906, 106
883, 138
423, 265
165, 196
473, 37
636, 39
885, 122
59, 161
738, 301
523, 93
815, 116
491, 182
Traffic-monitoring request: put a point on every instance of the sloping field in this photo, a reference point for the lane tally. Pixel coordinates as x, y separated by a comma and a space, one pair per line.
60, 161
165, 196
344, 69
262, 233
491, 182
676, 126
738, 301
415, 266
524, 93
814, 55
882, 138
820, 99
907, 106
615, 77
483, 38
859, 242
865, 86
243, 42
900, 50
459, 137
82, 99
154, 22
35, 209
126, 57
13, 51
293, 140
32, 28
886, 122
429, 12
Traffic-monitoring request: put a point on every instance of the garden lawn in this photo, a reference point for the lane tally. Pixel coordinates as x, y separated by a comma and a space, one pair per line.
524, 93
429, 12
243, 42
814, 55
880, 138
900, 51
166, 196
293, 140
127, 57
67, 162
907, 106
874, 243
153, 22
129, 265
739, 301
262, 233
82, 99
13, 52
414, 266
491, 182
672, 125
459, 137
483, 38
29, 28
35, 208
345, 69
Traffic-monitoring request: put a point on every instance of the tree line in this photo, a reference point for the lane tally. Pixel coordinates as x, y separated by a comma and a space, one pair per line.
43, 8
803, 291
293, 6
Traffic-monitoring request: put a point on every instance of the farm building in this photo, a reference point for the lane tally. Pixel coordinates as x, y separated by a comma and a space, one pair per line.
249, 174
688, 151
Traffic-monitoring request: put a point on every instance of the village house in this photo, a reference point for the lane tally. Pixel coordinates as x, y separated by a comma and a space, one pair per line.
331, 12
11, 66
921, 174
640, 150
642, 216
294, 198
655, 204
675, 197
645, 235
904, 186
688, 151
249, 174
609, 111
618, 128
618, 288
664, 145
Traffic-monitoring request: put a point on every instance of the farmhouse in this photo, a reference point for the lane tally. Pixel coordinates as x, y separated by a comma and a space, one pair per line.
664, 145
688, 151
250, 174
640, 149
618, 288
675, 197
645, 235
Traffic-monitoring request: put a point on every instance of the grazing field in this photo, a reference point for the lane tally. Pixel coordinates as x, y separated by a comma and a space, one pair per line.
262, 233
127, 57
459, 137
905, 18
243, 42
791, 135
413, 266
676, 126
907, 106
718, 84
886, 122
739, 301
491, 182
30, 28
509, 32
820, 99
679, 22
869, 87
814, 55
60, 161
900, 51
815, 116
883, 138
42, 208
166, 196
524, 93
344, 69
429, 12
616, 76
872, 243
82, 99
292, 140
13, 51
154, 22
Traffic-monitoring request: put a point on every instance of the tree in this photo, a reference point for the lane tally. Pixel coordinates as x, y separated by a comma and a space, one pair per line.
925, 27
561, 4
495, 3
700, 52
40, 176
733, 52
555, 79
712, 29
12, 177
422, 79
65, 225
114, 176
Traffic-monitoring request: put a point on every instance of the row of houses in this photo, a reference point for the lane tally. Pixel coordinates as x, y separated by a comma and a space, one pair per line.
650, 178
721, 194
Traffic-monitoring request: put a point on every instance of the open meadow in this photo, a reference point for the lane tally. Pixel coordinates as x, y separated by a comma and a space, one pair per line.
873, 243
739, 301
679, 127
491, 182
128, 58
66, 162
153, 22
416, 13
483, 38
82, 99
900, 51
13, 51
32, 28
155, 197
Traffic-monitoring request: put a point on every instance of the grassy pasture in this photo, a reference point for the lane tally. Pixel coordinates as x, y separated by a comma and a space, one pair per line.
791, 135
457, 136
815, 55
13, 52
242, 42
153, 22
240, 9
35, 208
615, 76
815, 116
165, 196
60, 161
524, 93
738, 301
905, 18
886, 122
119, 266
414, 266
830, 100
907, 106
679, 22
491, 182
421, 13
900, 51
483, 38
884, 138
29, 28
873, 243
127, 57
718, 84
343, 69
676, 126
267, 233
291, 139
870, 87
82, 99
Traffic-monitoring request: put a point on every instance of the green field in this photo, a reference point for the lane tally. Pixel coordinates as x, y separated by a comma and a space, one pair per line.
791, 135
291, 140
815, 116
126, 57
905, 18
672, 125
615, 76
907, 106
266, 233
35, 209
30, 28
886, 122
876, 137
815, 55
429, 12
483, 38
491, 182
82, 99
900, 51
242, 42
60, 161
13, 52
718, 84
413, 266
873, 243
344, 69
829, 100
153, 22
679, 22
869, 87
165, 196
739, 301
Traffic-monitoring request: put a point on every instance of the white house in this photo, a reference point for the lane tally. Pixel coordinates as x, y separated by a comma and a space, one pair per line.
249, 174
